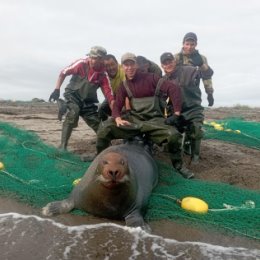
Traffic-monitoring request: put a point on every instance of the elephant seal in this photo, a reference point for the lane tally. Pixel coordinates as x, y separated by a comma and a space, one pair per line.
117, 185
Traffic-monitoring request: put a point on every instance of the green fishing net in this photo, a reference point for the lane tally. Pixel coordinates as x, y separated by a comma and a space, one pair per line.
37, 173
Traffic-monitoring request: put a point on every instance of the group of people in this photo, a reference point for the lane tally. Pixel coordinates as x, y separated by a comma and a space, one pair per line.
140, 102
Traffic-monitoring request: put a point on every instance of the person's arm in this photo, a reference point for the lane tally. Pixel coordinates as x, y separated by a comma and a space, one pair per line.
118, 105
76, 67
119, 101
107, 90
206, 74
60, 80
174, 92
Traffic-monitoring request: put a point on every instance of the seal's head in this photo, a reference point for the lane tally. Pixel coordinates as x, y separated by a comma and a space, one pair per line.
113, 169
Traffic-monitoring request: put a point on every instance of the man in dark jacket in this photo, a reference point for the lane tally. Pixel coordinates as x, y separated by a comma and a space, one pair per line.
191, 120
190, 56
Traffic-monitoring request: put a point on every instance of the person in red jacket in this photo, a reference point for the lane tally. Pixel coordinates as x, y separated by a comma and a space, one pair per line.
88, 75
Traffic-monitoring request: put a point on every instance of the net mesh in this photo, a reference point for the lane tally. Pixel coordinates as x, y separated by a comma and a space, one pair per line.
234, 130
36, 173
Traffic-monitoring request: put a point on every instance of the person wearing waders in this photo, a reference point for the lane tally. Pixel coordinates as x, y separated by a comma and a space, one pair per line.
145, 119
191, 119
189, 55
88, 74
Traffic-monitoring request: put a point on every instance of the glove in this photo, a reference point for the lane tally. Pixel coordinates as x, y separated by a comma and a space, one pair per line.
210, 100
172, 120
196, 59
54, 95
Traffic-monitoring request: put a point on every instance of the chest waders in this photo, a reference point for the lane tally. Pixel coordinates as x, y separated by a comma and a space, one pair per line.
146, 108
188, 78
152, 109
80, 96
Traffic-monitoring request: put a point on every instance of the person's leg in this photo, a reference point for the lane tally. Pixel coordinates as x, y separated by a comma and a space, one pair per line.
175, 150
108, 131
89, 114
160, 133
104, 110
70, 122
195, 137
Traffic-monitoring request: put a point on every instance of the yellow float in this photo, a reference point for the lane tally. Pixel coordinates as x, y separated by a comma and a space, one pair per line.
1, 166
218, 127
194, 204
76, 182
191, 204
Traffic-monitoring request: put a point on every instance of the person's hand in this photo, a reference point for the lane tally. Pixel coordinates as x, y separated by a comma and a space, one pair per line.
210, 100
121, 122
196, 59
172, 120
54, 95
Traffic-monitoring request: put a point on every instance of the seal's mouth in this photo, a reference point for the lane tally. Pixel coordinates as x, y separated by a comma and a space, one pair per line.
110, 184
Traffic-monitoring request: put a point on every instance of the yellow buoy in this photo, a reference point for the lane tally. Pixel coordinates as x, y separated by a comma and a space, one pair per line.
237, 131
218, 127
1, 166
194, 205
228, 130
213, 123
76, 182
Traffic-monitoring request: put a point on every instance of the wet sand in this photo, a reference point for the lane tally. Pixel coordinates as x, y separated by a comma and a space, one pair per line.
42, 120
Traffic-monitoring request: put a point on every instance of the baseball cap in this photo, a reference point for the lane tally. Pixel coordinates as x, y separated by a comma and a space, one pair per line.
128, 56
190, 36
166, 56
97, 51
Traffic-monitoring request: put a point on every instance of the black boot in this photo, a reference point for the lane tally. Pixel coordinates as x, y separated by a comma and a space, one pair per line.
65, 135
195, 151
182, 170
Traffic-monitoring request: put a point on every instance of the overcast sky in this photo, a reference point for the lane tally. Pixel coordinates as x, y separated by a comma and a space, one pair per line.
41, 37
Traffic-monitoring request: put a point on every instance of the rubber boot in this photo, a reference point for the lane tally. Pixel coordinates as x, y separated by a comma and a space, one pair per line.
65, 135
182, 170
195, 151
186, 145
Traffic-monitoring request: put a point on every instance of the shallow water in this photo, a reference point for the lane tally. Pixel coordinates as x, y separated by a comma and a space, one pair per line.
32, 237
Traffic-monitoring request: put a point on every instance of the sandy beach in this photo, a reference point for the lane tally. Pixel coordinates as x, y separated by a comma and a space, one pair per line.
223, 162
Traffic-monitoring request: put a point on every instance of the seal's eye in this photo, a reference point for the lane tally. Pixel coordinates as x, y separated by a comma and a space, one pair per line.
122, 162
105, 162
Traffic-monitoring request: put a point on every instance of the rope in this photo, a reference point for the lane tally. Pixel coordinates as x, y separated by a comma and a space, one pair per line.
43, 153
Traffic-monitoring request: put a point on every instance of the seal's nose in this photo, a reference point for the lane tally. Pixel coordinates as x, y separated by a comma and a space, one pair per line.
113, 174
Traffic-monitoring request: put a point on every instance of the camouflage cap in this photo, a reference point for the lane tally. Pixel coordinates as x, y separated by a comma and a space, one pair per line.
97, 51
128, 56
166, 56
190, 36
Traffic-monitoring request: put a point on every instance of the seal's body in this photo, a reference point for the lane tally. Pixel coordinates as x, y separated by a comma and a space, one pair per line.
117, 185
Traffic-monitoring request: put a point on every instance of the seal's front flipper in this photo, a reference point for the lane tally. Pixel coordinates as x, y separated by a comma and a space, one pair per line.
58, 207
135, 219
